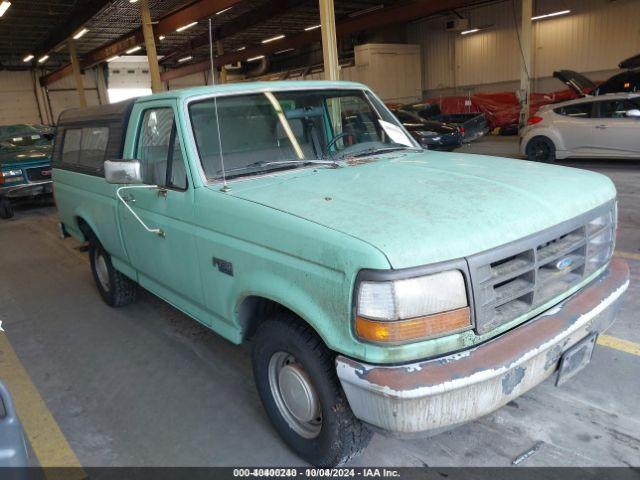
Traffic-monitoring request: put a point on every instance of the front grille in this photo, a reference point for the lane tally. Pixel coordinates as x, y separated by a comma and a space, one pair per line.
514, 279
38, 174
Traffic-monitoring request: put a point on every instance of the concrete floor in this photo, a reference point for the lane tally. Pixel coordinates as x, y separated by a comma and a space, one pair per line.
145, 385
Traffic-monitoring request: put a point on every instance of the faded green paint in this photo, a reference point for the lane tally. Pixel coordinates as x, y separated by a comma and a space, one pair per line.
299, 237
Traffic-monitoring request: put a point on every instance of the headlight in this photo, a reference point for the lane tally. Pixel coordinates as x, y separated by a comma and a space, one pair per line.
8, 176
413, 309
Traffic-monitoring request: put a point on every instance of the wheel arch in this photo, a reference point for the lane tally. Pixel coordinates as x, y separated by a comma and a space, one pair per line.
253, 309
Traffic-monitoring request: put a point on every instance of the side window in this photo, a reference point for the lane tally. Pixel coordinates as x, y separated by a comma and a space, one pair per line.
71, 146
159, 150
85, 147
93, 147
579, 110
615, 108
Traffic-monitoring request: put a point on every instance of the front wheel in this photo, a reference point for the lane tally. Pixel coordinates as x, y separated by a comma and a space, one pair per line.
115, 288
541, 149
6, 209
295, 375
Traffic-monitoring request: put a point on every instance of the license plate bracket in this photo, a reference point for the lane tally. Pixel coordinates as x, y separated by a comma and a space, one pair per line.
576, 358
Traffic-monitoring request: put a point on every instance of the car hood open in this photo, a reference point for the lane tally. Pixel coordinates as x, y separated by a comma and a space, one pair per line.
577, 82
421, 208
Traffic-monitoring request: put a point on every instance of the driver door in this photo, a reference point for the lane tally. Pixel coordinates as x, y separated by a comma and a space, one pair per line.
166, 264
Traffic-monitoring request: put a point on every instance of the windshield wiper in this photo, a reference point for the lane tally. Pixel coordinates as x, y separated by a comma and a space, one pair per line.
376, 150
263, 164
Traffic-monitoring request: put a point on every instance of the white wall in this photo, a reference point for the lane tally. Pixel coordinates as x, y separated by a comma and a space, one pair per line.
18, 102
593, 38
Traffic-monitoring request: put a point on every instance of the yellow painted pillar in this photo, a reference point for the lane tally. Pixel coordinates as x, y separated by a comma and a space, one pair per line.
329, 41
77, 72
150, 45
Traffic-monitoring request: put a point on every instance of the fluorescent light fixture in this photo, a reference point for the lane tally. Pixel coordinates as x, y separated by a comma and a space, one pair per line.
115, 57
284, 51
273, 39
554, 14
43, 59
28, 58
4, 6
222, 11
253, 59
80, 33
134, 49
161, 37
183, 28
133, 1
185, 59
313, 27
241, 49
467, 32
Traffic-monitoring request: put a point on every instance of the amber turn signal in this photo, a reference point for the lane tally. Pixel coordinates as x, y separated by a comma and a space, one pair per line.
415, 328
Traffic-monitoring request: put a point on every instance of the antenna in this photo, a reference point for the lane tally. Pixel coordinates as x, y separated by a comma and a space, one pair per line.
213, 77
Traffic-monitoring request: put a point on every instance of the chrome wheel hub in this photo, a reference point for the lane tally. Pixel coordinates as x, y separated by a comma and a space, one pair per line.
101, 270
295, 395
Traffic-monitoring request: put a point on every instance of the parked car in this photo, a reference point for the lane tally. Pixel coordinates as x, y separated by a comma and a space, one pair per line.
383, 287
430, 134
472, 125
13, 444
25, 164
626, 81
601, 126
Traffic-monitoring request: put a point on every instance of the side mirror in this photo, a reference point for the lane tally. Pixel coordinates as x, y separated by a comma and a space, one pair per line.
633, 113
123, 172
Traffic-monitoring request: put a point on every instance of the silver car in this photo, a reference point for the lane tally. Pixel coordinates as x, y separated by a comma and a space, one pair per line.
603, 126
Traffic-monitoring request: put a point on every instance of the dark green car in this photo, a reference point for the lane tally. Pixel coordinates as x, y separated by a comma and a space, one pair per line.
25, 164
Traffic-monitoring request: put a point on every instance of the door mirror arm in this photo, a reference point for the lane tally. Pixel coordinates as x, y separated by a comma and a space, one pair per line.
157, 231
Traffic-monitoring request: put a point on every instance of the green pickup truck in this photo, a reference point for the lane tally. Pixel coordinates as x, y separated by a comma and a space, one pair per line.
383, 287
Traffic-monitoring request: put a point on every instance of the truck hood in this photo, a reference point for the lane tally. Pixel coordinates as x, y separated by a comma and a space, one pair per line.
421, 208
24, 156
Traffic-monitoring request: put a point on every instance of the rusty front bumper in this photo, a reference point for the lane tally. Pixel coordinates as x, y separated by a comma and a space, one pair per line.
434, 395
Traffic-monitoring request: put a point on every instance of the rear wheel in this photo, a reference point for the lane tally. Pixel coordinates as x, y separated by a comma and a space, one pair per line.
6, 209
116, 289
295, 375
541, 149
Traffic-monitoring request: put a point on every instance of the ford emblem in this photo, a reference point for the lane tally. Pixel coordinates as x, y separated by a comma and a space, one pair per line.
564, 263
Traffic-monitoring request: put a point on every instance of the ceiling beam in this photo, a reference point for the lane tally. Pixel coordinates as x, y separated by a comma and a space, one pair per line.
75, 21
193, 12
349, 26
238, 24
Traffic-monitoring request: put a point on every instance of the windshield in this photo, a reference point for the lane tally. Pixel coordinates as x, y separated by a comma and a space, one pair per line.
277, 130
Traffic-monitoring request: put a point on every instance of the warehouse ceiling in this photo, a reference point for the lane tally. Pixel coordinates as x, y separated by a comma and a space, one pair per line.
38, 26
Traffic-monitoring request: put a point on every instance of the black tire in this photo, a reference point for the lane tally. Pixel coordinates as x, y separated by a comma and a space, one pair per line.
6, 209
541, 149
341, 435
116, 289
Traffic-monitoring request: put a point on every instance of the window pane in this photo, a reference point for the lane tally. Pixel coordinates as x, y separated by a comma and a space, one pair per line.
156, 150
580, 110
154, 145
93, 146
615, 108
275, 127
71, 146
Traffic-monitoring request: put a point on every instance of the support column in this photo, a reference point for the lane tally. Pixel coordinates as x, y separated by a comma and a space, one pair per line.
150, 45
329, 42
525, 61
223, 70
77, 72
